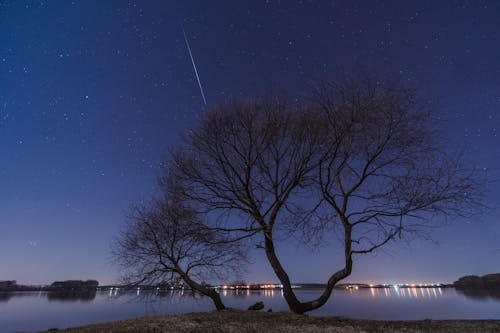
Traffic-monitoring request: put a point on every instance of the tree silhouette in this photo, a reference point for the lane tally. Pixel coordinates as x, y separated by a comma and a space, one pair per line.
166, 241
360, 157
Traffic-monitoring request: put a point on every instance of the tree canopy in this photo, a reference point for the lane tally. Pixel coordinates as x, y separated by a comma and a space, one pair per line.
361, 158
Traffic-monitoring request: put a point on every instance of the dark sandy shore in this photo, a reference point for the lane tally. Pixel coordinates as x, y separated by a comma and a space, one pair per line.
245, 321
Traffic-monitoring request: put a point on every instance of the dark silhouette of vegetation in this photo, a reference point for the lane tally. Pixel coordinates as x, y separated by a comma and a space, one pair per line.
479, 287
8, 285
489, 281
167, 242
60, 290
11, 285
74, 285
72, 290
361, 160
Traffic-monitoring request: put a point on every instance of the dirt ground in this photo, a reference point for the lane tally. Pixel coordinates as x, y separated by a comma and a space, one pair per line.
233, 321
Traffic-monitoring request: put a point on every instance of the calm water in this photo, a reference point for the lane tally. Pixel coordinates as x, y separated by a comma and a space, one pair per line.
33, 311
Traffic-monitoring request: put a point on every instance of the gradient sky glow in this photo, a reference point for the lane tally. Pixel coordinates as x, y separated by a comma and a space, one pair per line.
94, 93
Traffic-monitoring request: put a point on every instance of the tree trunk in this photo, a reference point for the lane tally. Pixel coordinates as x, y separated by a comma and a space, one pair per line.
293, 302
214, 296
219, 305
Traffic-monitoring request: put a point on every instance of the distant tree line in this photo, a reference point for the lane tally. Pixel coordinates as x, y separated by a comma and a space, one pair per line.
77, 285
479, 287
74, 284
489, 281
11, 285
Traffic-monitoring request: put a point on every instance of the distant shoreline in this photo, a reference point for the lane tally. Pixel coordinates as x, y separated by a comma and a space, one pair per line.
470, 282
232, 321
303, 286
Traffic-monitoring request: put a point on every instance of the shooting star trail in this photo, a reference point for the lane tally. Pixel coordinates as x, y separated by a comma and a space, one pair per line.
194, 65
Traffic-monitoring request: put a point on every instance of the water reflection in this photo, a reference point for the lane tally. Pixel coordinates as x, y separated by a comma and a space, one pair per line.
392, 292
116, 293
480, 293
4, 297
242, 293
48, 309
412, 292
69, 295
151, 296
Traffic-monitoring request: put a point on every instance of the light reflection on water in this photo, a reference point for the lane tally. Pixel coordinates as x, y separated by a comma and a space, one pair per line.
40, 310
406, 292
247, 292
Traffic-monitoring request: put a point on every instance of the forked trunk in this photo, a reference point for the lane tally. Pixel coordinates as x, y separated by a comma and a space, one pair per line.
293, 302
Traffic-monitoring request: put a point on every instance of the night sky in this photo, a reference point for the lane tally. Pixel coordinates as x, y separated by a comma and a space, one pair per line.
93, 94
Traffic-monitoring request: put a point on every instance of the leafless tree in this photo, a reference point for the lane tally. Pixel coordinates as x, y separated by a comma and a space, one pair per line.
388, 174
361, 156
166, 241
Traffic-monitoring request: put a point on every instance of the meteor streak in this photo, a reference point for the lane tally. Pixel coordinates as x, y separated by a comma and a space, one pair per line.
194, 65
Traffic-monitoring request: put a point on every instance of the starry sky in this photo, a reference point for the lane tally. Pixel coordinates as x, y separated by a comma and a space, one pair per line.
93, 94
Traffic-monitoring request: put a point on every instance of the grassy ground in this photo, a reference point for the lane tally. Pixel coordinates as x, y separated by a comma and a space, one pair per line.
246, 321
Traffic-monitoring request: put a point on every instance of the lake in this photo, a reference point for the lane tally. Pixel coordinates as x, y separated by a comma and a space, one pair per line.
31, 311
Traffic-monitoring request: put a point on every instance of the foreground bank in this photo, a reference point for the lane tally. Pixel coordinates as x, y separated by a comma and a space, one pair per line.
246, 321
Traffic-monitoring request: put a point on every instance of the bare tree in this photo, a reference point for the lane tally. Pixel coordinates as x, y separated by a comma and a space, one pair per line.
388, 174
360, 156
167, 241
252, 164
